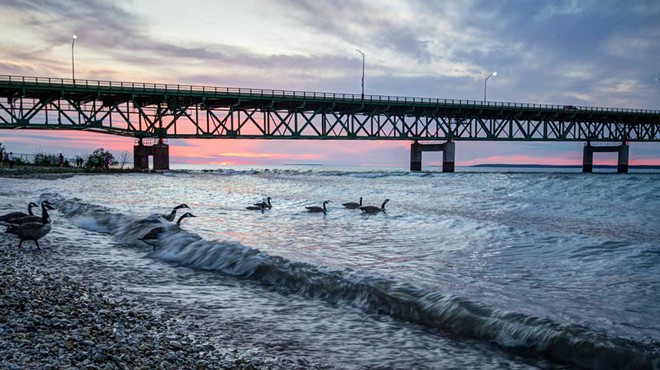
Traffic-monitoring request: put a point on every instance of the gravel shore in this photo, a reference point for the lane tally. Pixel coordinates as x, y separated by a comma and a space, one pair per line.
55, 314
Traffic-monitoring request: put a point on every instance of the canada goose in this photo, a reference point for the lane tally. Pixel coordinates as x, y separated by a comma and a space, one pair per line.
12, 215
170, 217
257, 207
154, 233
374, 209
353, 205
266, 203
34, 218
317, 208
33, 230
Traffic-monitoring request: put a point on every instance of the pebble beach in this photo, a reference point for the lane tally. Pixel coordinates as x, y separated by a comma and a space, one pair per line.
49, 320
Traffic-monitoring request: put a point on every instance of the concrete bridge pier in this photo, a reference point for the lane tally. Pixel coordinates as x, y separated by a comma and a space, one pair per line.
588, 156
160, 152
448, 150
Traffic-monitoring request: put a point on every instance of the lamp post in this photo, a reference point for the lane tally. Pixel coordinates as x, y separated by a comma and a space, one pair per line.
359, 51
73, 63
486, 83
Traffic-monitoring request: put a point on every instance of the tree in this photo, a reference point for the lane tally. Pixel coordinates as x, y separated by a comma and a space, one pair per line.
45, 159
99, 157
123, 159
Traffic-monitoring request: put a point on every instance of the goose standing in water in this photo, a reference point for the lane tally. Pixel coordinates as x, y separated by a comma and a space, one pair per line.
317, 208
170, 217
33, 230
353, 205
12, 215
32, 218
374, 209
265, 203
154, 233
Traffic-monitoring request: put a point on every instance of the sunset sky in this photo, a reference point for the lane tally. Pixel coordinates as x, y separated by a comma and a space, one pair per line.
589, 53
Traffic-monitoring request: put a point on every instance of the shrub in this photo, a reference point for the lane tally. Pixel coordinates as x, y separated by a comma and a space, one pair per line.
46, 159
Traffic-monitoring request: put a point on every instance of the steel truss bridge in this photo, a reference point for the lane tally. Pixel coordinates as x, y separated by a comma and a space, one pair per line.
146, 110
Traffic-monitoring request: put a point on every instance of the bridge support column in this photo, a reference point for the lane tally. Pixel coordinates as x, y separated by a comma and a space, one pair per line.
160, 151
588, 156
416, 156
622, 163
448, 155
141, 156
161, 156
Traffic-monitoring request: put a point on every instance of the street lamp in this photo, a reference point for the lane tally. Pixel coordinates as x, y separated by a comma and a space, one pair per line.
73, 64
486, 83
359, 51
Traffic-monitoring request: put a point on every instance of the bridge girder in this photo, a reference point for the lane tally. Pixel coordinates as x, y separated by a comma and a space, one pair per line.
174, 111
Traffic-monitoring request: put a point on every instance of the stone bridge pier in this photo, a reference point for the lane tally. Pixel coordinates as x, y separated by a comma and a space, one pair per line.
448, 150
160, 151
588, 156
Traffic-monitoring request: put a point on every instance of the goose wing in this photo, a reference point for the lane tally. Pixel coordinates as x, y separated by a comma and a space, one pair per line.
30, 230
12, 215
25, 220
370, 209
153, 233
353, 204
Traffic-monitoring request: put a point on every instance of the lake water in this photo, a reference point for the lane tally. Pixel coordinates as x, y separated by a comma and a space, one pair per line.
486, 268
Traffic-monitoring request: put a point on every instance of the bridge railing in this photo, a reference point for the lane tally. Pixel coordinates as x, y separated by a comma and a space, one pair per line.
126, 87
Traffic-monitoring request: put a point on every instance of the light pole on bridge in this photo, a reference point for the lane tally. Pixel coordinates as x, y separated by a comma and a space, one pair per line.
486, 83
73, 63
363, 55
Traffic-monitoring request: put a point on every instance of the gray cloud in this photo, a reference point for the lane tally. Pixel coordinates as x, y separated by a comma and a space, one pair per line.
553, 51
112, 30
360, 24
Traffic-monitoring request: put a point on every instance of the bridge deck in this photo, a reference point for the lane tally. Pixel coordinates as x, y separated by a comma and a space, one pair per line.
186, 111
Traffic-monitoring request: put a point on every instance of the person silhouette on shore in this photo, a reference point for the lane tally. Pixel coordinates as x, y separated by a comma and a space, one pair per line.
10, 159
61, 160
